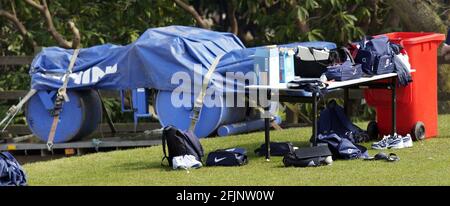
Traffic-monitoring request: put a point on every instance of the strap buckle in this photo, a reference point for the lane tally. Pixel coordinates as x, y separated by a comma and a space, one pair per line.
50, 146
195, 114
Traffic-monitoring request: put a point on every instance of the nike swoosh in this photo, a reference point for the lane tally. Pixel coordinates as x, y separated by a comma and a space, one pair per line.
218, 160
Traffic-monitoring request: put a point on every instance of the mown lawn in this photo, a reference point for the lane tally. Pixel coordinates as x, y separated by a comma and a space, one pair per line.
427, 163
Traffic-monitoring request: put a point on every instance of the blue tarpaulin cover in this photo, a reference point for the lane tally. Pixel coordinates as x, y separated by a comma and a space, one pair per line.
148, 62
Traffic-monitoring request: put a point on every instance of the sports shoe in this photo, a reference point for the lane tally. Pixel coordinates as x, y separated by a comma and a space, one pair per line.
389, 142
407, 141
382, 144
395, 142
178, 163
191, 162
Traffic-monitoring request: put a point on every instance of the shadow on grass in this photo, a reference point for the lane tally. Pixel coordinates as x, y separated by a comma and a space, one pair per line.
134, 166
146, 165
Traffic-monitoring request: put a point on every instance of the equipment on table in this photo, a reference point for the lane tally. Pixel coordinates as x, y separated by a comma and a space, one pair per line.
311, 61
11, 173
276, 149
344, 72
375, 55
344, 67
267, 65
309, 157
227, 157
287, 68
308, 85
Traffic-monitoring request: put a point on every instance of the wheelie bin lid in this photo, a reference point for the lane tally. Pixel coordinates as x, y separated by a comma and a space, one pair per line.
408, 38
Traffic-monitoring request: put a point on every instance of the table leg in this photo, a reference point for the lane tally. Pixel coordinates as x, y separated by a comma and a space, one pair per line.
394, 106
314, 126
267, 137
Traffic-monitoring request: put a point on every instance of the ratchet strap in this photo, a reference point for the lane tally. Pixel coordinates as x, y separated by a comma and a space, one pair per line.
198, 104
13, 110
61, 96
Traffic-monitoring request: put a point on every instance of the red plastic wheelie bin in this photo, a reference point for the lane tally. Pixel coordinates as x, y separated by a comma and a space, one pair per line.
417, 109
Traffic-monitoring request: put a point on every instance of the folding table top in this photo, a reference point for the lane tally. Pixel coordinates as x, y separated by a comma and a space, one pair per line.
331, 85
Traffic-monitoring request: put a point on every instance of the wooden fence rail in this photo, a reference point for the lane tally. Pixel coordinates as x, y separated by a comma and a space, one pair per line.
16, 60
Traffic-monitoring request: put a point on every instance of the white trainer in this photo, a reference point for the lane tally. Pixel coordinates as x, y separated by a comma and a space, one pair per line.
407, 141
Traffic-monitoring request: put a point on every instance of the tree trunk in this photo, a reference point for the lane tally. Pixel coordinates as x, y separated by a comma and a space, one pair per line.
419, 15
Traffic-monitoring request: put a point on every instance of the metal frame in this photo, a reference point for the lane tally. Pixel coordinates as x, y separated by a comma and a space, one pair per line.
314, 100
94, 145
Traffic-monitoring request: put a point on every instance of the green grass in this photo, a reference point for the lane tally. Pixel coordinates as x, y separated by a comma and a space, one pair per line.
427, 163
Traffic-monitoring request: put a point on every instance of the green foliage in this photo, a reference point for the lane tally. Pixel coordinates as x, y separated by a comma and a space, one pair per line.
99, 22
113, 107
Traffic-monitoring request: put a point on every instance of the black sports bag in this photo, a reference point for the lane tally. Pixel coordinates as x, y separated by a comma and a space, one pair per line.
276, 149
227, 157
180, 143
308, 157
314, 68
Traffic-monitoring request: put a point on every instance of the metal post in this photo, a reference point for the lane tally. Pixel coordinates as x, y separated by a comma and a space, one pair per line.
394, 106
267, 120
314, 126
267, 137
107, 115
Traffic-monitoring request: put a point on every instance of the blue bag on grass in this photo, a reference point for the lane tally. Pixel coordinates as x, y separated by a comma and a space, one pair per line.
11, 173
340, 134
227, 157
342, 147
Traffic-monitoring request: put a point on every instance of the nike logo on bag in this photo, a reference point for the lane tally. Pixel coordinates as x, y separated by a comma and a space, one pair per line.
218, 160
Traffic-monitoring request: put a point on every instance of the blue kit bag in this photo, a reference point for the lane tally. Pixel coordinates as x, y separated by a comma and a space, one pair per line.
340, 134
342, 147
344, 67
344, 72
11, 173
375, 55
227, 157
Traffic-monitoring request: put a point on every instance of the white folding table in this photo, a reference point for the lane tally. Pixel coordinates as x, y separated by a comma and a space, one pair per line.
297, 96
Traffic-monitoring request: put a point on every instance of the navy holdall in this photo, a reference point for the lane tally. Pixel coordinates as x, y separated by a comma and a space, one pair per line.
342, 147
375, 55
344, 72
11, 173
227, 157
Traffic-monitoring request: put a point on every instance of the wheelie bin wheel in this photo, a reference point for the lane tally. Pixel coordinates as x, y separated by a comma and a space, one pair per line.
372, 130
418, 131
